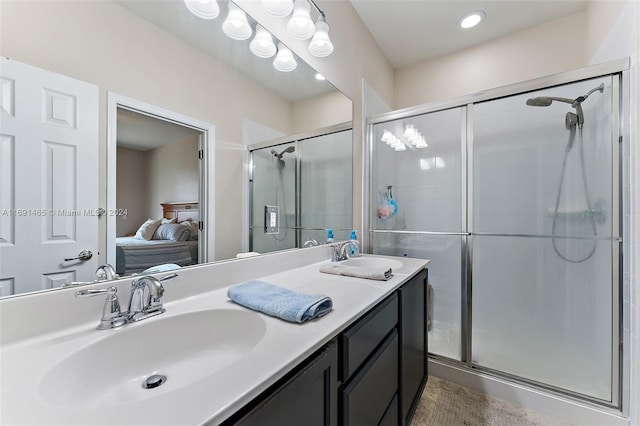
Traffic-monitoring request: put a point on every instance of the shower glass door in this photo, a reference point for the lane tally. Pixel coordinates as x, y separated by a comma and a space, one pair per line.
423, 181
542, 238
273, 185
308, 182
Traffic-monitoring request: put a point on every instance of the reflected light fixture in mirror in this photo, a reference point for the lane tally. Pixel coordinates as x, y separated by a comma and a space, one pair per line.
284, 60
262, 44
321, 45
278, 8
300, 25
236, 25
205, 9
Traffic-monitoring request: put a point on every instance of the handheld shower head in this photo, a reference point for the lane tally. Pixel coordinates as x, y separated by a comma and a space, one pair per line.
539, 102
571, 119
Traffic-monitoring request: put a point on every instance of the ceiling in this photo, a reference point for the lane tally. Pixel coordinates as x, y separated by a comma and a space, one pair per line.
411, 31
142, 132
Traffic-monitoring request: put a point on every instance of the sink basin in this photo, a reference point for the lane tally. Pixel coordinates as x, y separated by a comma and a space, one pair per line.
373, 262
184, 348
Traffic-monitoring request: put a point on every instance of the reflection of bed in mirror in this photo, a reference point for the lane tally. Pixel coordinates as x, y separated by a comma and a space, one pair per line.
170, 242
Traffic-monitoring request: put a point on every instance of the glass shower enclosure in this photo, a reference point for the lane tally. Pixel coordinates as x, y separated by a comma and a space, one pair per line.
515, 199
302, 186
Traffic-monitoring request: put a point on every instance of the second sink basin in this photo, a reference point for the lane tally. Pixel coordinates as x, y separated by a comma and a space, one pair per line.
184, 348
373, 262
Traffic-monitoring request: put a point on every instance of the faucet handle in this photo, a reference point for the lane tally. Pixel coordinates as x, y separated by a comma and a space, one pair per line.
111, 313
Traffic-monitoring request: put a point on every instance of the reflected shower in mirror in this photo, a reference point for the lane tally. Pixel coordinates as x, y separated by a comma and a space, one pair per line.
162, 56
306, 181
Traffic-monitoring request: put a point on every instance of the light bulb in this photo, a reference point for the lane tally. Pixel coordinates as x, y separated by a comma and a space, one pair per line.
262, 44
321, 45
284, 60
278, 8
471, 19
300, 25
205, 9
236, 25
387, 137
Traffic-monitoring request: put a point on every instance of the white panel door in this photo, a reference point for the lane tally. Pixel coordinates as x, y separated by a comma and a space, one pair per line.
49, 172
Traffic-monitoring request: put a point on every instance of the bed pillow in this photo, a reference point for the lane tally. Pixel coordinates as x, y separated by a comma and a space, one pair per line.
193, 227
147, 229
172, 231
172, 220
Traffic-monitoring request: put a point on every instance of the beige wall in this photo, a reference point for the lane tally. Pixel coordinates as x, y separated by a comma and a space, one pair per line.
173, 174
132, 186
321, 111
104, 44
534, 52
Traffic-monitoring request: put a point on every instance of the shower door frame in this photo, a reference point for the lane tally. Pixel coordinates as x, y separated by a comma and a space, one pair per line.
284, 140
618, 71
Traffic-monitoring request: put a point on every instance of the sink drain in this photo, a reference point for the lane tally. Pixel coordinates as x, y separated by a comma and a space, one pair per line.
154, 381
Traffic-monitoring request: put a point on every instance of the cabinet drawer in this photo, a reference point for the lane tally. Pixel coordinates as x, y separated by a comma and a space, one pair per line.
366, 398
359, 341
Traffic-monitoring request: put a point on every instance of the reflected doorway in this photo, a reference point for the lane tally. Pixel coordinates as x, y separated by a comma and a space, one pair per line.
158, 164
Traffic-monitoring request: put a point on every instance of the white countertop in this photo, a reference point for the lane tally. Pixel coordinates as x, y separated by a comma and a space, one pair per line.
215, 395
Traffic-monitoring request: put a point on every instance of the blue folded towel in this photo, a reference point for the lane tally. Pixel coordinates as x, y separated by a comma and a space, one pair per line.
280, 302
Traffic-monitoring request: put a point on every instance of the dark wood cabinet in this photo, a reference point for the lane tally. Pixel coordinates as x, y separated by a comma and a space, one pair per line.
373, 373
308, 397
413, 344
369, 392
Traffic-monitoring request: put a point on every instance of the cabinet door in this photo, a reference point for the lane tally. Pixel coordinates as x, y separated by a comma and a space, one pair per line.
367, 395
308, 398
413, 342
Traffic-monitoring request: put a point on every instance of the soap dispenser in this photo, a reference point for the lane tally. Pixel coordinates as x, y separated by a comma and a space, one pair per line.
354, 250
329, 236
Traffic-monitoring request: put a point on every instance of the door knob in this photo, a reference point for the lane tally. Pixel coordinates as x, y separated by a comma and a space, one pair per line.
83, 255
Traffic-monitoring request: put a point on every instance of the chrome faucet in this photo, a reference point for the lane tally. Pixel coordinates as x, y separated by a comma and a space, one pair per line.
111, 314
103, 273
340, 251
311, 243
145, 301
146, 297
106, 272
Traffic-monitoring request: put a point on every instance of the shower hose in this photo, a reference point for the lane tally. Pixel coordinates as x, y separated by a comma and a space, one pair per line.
590, 211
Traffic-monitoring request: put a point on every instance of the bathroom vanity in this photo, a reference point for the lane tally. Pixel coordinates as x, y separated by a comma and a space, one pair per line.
363, 363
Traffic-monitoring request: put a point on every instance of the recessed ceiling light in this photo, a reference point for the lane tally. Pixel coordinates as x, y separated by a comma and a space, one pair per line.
471, 19
320, 77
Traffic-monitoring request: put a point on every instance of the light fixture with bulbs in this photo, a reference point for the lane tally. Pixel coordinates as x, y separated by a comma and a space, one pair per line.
278, 8
284, 60
301, 26
205, 9
236, 25
262, 44
320, 45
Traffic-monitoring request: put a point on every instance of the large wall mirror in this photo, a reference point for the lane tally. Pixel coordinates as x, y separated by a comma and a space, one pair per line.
176, 108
